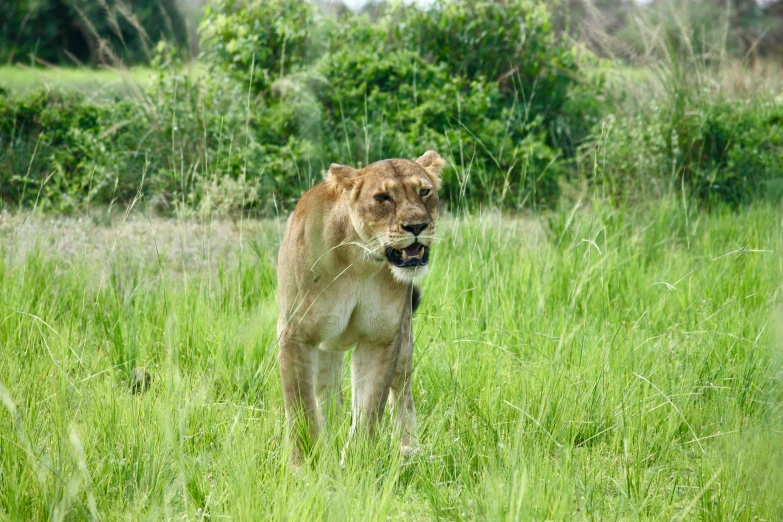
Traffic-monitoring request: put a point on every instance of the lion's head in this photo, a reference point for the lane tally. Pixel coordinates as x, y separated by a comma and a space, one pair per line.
393, 205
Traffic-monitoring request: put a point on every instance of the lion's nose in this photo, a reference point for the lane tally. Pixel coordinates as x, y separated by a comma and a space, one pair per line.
415, 229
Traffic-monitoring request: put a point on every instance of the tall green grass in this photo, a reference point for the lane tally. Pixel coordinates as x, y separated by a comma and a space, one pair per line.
595, 363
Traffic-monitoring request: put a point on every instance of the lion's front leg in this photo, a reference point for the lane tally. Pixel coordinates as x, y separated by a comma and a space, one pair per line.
401, 390
402, 404
298, 376
372, 368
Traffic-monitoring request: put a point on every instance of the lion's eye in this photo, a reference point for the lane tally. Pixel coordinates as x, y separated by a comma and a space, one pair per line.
380, 198
424, 192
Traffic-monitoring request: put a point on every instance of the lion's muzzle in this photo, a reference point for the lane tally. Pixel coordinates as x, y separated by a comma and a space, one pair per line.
411, 256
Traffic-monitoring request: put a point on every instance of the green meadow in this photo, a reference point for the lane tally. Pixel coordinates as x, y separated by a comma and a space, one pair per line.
109, 81
597, 362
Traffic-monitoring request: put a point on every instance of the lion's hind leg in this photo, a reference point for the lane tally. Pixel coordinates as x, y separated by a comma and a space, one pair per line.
298, 375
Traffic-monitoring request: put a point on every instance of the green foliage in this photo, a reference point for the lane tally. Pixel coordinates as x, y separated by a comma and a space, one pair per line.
289, 89
381, 104
219, 139
59, 149
191, 141
513, 44
105, 32
266, 39
510, 42
358, 91
718, 151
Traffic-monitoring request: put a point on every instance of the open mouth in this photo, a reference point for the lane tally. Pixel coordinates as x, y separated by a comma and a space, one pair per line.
413, 255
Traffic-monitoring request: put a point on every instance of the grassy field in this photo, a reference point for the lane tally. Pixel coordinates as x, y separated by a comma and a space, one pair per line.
81, 79
590, 364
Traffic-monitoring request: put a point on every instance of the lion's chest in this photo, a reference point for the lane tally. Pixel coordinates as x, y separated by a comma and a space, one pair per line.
360, 312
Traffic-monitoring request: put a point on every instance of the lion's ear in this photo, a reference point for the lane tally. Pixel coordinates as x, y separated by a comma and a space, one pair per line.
433, 164
342, 175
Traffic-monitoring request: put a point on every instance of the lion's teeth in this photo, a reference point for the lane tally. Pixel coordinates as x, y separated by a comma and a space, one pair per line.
405, 255
421, 252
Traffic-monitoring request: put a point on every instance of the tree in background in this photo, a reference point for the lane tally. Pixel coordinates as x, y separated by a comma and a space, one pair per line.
86, 31
758, 26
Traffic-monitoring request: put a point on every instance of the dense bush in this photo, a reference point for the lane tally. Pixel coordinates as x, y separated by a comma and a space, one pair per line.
511, 43
358, 91
380, 104
190, 142
264, 40
59, 149
515, 109
718, 151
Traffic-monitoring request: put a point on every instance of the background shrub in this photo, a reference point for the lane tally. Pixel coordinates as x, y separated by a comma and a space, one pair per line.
189, 141
358, 91
517, 108
263, 39
728, 152
58, 149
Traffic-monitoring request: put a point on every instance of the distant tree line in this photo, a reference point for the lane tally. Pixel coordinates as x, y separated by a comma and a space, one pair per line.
746, 28
89, 32
96, 32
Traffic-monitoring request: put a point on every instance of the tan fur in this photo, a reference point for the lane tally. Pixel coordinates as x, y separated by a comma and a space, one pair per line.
337, 290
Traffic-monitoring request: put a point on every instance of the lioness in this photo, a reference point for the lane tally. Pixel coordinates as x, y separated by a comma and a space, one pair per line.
352, 250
